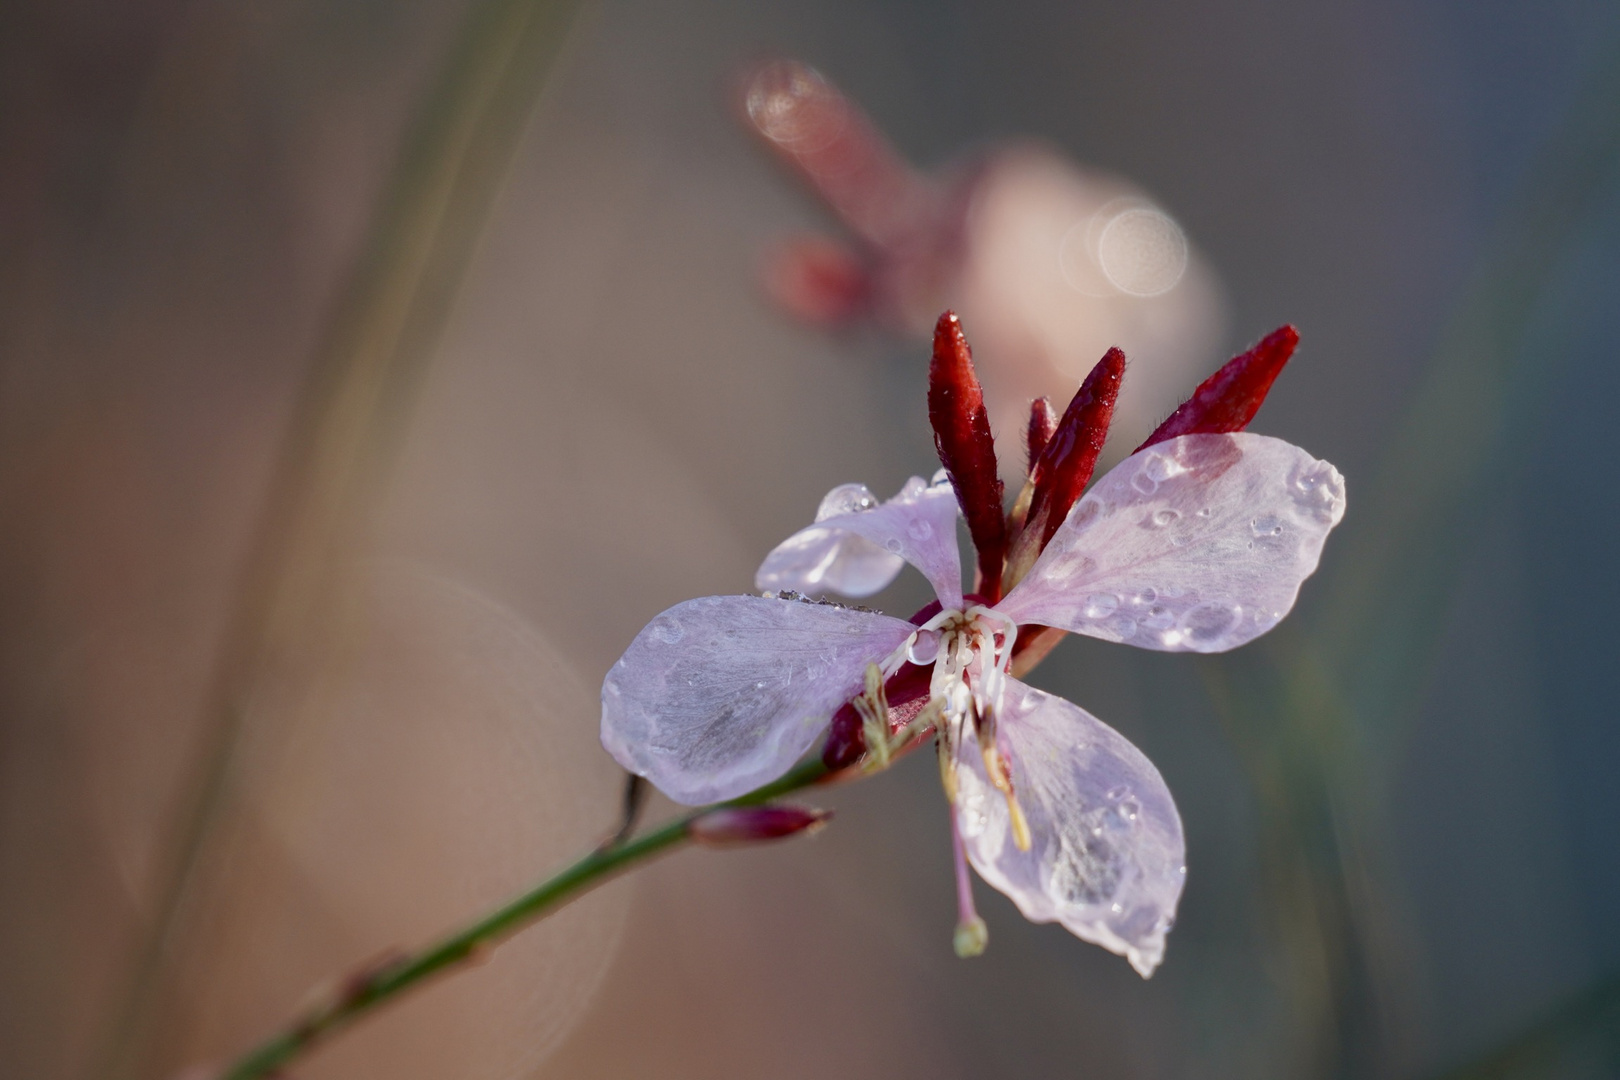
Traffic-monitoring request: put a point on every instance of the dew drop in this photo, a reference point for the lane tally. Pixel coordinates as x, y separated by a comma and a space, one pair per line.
1100, 605
1159, 467
1158, 618
1266, 525
894, 545
1319, 490
1146, 596
920, 529
846, 499
1143, 482
669, 631
1210, 622
1205, 512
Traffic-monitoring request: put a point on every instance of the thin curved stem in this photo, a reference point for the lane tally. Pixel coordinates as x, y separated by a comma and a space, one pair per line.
372, 987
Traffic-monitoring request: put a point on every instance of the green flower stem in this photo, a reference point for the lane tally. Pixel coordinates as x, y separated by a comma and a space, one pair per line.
364, 992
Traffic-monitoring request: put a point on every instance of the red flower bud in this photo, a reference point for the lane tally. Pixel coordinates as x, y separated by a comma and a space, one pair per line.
1228, 399
736, 825
1069, 457
826, 138
1042, 423
966, 448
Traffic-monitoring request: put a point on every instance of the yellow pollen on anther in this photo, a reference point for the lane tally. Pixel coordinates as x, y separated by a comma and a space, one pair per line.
947, 769
995, 767
1020, 827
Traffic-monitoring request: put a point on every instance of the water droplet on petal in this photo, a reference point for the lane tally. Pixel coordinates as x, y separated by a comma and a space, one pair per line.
894, 545
920, 529
1208, 623
1158, 618
1266, 525
669, 631
1100, 605
1157, 468
846, 499
1318, 489
1161, 518
1146, 596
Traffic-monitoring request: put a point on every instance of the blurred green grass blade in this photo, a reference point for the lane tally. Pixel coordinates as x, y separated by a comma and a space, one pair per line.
1316, 708
1451, 456
456, 152
1580, 1037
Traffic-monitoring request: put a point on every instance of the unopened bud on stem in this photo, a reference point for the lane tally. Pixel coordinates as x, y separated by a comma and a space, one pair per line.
751, 824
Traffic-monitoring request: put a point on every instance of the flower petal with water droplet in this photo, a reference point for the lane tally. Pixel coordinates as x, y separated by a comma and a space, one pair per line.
1196, 544
1106, 857
719, 695
859, 551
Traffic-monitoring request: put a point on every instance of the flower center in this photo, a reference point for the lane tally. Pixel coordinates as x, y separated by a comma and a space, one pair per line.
973, 652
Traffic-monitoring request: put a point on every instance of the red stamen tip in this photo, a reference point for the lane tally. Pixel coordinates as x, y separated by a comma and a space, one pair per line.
966, 447
1228, 399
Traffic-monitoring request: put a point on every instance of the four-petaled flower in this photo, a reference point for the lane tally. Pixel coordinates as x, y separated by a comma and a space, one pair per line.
1198, 542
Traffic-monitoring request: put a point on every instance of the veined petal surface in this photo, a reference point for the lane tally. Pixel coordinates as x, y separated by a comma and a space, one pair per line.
1106, 856
719, 695
858, 551
1196, 544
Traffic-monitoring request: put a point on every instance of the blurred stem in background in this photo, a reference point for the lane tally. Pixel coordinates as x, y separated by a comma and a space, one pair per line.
454, 156
1319, 710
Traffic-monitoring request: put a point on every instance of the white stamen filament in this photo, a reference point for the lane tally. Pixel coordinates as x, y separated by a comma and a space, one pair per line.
967, 638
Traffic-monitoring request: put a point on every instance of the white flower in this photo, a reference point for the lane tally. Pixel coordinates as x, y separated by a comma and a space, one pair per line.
1195, 544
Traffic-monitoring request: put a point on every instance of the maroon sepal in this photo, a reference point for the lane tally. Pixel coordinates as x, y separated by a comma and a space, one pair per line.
751, 824
1067, 461
1228, 399
1042, 422
966, 448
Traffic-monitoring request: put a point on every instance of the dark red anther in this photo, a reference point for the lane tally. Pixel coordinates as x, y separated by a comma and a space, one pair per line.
1042, 422
1067, 461
1228, 399
966, 448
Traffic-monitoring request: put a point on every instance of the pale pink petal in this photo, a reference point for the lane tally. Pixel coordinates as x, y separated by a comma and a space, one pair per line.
1196, 544
852, 549
719, 695
825, 558
1106, 857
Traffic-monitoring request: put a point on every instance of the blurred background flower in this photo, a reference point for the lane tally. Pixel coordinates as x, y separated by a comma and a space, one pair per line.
318, 589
